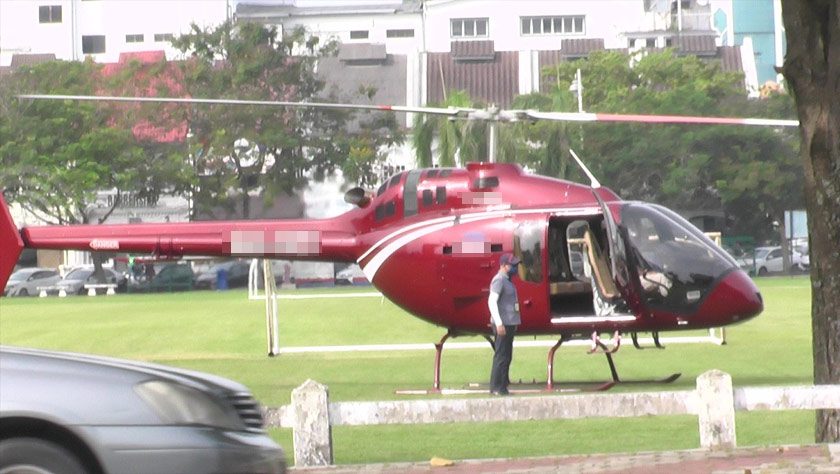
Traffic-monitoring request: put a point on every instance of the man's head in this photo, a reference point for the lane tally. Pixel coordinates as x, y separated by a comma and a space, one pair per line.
508, 262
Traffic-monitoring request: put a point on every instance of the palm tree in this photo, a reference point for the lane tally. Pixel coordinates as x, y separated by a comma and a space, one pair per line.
457, 140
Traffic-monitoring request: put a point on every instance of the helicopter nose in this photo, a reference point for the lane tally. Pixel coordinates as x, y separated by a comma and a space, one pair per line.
734, 299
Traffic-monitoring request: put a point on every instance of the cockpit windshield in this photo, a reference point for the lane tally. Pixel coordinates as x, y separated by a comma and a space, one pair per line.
677, 265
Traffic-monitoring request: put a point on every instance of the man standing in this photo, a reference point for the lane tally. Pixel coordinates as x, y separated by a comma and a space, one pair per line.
504, 317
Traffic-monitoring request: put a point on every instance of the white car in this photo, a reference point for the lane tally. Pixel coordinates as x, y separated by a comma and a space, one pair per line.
769, 259
803, 257
26, 281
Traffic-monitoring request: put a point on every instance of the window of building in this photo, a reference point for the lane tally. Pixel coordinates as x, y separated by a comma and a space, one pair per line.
401, 33
552, 25
161, 37
49, 14
469, 27
93, 44
133, 38
359, 34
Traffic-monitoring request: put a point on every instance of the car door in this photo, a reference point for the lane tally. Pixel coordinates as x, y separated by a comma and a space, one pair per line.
774, 260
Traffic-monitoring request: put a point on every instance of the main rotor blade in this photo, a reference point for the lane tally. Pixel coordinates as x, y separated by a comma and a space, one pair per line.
454, 112
586, 117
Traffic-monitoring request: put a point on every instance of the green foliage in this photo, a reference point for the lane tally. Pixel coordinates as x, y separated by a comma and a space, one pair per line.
748, 172
57, 155
270, 150
457, 141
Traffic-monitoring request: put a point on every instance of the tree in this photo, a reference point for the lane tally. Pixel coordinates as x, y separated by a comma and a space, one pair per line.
812, 71
745, 171
457, 140
245, 150
58, 155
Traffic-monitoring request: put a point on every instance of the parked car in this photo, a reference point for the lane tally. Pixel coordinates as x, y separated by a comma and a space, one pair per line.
75, 280
26, 281
66, 413
235, 271
170, 277
769, 259
351, 275
803, 256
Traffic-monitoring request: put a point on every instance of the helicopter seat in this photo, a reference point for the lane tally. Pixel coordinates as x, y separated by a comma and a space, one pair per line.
603, 282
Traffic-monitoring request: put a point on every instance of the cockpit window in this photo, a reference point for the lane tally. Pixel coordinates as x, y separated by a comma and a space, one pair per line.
676, 264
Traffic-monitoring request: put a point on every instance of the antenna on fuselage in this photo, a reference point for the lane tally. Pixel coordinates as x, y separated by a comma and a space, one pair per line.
594, 184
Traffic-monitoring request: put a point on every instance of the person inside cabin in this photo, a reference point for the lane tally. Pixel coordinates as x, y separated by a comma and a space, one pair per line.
504, 319
652, 255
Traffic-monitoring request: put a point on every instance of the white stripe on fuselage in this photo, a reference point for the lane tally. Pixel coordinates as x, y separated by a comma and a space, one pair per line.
433, 225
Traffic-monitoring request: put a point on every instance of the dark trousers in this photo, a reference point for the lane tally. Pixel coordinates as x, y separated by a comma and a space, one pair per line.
503, 347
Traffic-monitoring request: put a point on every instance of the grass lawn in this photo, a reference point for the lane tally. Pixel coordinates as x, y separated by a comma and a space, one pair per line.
224, 333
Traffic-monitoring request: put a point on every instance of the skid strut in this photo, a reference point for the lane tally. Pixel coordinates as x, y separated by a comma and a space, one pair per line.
438, 351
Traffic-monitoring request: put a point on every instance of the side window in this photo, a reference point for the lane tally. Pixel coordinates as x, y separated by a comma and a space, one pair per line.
528, 246
578, 255
390, 208
428, 198
440, 195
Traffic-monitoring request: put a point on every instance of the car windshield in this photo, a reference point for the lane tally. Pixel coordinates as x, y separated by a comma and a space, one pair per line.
761, 253
18, 276
78, 274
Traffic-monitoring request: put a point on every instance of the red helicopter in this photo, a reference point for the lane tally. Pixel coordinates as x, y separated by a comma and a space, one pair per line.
430, 240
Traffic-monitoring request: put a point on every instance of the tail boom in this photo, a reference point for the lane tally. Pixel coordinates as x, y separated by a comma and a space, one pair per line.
294, 240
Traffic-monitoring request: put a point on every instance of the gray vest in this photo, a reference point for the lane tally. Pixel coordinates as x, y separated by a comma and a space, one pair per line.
508, 301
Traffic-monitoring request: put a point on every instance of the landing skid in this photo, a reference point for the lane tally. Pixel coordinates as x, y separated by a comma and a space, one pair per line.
534, 387
596, 345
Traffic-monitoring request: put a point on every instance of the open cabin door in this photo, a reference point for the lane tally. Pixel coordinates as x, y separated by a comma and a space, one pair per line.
610, 272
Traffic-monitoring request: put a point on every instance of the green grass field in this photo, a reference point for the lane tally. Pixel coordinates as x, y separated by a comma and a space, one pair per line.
224, 333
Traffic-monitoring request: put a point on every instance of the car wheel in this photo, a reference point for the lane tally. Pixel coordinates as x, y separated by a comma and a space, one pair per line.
36, 456
82, 291
23, 292
762, 271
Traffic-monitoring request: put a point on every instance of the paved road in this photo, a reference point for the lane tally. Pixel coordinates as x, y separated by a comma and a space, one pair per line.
811, 459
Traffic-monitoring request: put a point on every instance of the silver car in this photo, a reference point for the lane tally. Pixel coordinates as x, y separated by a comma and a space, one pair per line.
79, 414
75, 280
28, 281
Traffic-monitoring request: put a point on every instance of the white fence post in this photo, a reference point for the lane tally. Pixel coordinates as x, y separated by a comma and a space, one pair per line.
716, 410
312, 432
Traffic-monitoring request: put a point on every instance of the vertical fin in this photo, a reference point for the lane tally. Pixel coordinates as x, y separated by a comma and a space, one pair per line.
11, 244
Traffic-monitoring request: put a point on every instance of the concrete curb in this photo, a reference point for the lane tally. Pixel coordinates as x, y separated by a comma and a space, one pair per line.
818, 458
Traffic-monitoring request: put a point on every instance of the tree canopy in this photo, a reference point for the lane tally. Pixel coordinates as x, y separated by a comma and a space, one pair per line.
750, 173
245, 150
57, 155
